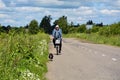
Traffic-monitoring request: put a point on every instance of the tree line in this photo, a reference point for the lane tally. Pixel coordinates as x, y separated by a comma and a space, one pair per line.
45, 26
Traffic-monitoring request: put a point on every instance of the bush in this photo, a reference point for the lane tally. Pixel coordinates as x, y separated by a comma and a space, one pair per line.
95, 29
105, 31
33, 27
23, 56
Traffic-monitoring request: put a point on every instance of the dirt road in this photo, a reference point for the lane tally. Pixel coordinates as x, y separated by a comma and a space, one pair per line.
84, 61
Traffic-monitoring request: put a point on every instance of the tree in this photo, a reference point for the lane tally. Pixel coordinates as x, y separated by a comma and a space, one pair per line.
45, 24
62, 22
90, 22
82, 28
33, 27
95, 29
4, 29
8, 28
71, 24
1, 28
26, 27
100, 24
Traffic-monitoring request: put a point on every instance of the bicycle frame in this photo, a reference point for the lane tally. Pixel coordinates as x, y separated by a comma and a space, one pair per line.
57, 43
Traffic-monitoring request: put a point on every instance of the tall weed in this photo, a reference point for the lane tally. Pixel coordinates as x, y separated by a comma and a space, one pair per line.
23, 56
96, 38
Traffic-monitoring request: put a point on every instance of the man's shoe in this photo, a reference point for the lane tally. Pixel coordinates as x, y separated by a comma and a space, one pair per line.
59, 51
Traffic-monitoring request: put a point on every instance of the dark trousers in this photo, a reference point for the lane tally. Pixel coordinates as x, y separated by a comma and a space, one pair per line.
59, 45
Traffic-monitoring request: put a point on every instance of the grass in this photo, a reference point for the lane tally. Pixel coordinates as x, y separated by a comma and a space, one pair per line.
23, 56
96, 38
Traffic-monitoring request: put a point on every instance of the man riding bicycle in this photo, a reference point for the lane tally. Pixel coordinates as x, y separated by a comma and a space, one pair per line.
57, 35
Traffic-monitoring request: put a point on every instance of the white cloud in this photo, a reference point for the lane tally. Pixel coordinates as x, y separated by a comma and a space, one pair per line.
83, 11
12, 22
98, 1
50, 2
57, 4
118, 3
2, 5
12, 3
29, 9
4, 16
78, 11
109, 12
9, 21
29, 17
78, 15
22, 1
77, 19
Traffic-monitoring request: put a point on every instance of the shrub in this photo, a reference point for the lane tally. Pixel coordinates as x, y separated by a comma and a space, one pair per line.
23, 56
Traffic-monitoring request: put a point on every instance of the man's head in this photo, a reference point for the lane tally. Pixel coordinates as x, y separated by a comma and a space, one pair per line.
57, 27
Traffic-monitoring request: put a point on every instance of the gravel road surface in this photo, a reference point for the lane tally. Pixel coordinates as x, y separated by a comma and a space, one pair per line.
84, 61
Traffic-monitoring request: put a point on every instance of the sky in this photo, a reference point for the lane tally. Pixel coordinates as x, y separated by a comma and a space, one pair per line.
21, 12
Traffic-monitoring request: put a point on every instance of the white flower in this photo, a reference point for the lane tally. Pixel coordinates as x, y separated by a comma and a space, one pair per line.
41, 53
27, 75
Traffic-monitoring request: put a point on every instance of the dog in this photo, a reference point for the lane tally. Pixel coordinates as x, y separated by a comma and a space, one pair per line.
51, 56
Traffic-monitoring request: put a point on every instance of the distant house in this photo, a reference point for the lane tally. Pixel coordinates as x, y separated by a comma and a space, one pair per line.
89, 26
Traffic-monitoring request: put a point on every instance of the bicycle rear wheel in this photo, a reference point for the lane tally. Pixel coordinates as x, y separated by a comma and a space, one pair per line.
57, 51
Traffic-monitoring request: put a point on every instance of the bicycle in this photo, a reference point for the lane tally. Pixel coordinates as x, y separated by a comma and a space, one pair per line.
57, 45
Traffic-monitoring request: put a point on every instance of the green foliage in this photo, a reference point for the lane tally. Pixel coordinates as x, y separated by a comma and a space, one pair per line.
105, 31
45, 24
115, 29
95, 29
4, 29
103, 35
1, 30
82, 28
96, 38
72, 29
23, 56
90, 22
33, 27
79, 29
110, 30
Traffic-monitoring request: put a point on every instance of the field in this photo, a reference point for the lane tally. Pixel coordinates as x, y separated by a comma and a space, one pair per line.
23, 56
96, 38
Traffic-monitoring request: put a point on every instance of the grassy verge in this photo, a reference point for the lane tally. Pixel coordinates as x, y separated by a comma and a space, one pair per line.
23, 56
95, 38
